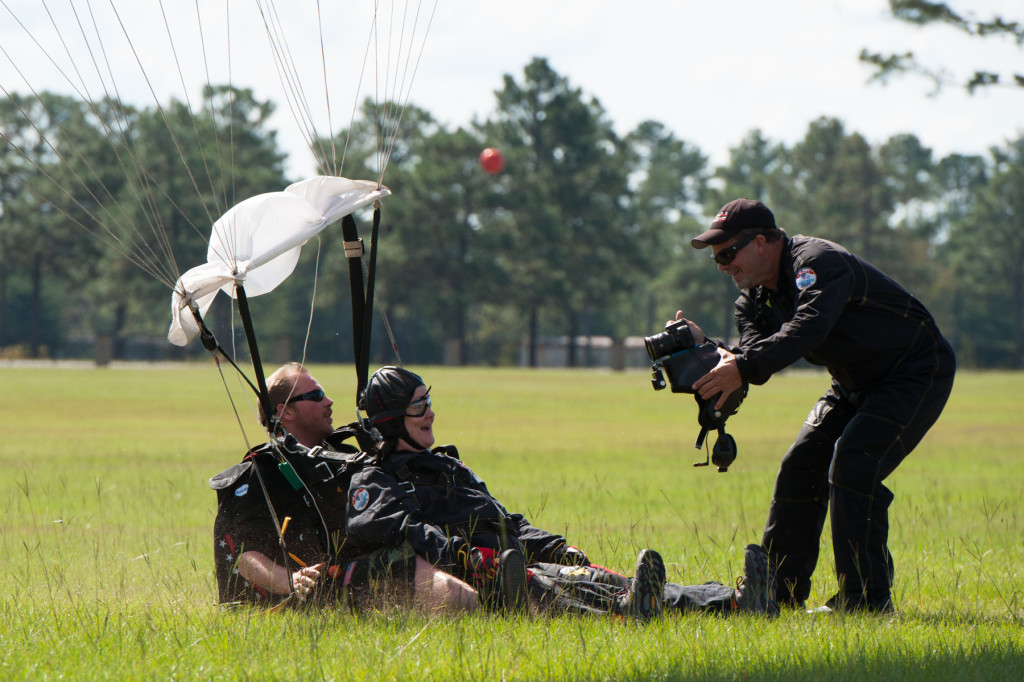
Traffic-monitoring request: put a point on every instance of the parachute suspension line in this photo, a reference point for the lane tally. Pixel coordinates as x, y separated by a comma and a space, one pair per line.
291, 83
120, 143
238, 418
111, 239
376, 300
151, 264
210, 343
195, 125
374, 29
255, 409
142, 189
74, 87
226, 197
312, 304
387, 328
359, 87
401, 93
254, 352
287, 562
327, 95
163, 113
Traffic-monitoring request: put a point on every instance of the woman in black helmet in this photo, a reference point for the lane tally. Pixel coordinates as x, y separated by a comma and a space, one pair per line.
430, 499
392, 394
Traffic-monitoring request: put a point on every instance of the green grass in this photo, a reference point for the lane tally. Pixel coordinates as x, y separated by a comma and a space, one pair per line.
106, 542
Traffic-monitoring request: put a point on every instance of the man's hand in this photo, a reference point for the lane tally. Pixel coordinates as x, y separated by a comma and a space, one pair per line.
697, 332
724, 378
304, 580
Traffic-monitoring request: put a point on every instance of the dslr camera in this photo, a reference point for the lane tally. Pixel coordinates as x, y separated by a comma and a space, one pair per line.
674, 354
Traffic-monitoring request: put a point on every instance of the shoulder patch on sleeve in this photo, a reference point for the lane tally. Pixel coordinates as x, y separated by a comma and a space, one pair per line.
360, 499
805, 278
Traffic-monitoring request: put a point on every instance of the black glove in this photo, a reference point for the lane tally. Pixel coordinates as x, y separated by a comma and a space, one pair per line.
574, 556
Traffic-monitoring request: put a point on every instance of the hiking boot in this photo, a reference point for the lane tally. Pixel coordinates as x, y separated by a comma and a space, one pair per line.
510, 582
846, 603
755, 589
642, 598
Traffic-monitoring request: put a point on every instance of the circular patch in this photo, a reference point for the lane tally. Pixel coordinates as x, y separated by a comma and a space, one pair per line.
241, 490
805, 278
360, 498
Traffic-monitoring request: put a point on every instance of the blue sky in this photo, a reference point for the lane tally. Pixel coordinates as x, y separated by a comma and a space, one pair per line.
710, 72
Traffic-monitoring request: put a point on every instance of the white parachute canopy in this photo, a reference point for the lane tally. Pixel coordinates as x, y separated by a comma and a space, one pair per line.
259, 240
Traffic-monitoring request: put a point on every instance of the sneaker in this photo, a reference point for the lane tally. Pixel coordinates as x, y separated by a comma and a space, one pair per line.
847, 603
511, 581
755, 589
643, 597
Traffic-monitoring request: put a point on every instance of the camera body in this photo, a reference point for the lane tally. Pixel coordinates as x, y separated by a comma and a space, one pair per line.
674, 353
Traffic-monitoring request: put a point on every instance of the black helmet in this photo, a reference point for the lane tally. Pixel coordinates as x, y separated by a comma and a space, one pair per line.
388, 392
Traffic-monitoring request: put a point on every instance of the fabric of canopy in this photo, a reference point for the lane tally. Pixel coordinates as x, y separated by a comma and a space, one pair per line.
258, 242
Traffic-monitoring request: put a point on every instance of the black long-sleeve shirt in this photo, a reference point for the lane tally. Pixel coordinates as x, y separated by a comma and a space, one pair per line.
833, 309
437, 504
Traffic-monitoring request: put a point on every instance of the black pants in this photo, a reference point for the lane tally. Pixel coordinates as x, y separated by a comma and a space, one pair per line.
592, 590
849, 444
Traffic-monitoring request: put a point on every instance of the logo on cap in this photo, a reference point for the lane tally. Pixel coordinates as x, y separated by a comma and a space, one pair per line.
722, 215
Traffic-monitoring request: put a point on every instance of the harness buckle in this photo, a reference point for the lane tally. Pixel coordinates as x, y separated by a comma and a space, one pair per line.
325, 471
407, 486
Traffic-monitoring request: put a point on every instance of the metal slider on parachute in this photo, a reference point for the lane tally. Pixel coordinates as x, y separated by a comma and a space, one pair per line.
354, 249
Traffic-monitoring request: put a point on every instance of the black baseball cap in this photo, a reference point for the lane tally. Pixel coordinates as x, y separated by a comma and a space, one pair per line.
736, 216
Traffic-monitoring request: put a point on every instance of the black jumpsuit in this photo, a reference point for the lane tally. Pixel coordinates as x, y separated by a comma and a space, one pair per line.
306, 498
437, 505
892, 372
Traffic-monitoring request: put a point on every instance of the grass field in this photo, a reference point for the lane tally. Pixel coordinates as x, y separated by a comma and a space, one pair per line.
106, 534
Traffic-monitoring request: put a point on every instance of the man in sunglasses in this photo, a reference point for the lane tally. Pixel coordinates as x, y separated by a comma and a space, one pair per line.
426, 496
280, 518
892, 372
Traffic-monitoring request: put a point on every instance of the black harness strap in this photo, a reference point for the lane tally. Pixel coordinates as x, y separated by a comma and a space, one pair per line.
254, 352
362, 293
363, 360
354, 254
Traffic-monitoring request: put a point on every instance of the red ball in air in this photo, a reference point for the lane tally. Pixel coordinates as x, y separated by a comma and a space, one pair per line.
492, 161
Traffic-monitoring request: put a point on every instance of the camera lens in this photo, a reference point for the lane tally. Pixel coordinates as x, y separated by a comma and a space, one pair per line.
655, 345
676, 337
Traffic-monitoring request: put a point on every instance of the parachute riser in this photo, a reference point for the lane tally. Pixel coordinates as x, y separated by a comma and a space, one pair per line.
211, 344
362, 293
363, 361
254, 353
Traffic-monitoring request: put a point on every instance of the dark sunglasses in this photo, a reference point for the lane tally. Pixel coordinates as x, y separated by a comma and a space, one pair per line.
316, 395
418, 408
726, 256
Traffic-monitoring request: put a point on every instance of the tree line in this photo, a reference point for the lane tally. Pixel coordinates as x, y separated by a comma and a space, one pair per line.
584, 233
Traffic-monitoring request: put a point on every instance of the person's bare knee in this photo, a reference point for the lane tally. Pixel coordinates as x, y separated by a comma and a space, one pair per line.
440, 591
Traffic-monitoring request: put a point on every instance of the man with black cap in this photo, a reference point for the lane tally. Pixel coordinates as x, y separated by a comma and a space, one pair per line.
892, 372
431, 500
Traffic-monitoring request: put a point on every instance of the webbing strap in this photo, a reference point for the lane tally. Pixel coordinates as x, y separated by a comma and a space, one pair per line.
363, 360
350, 233
362, 293
254, 353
